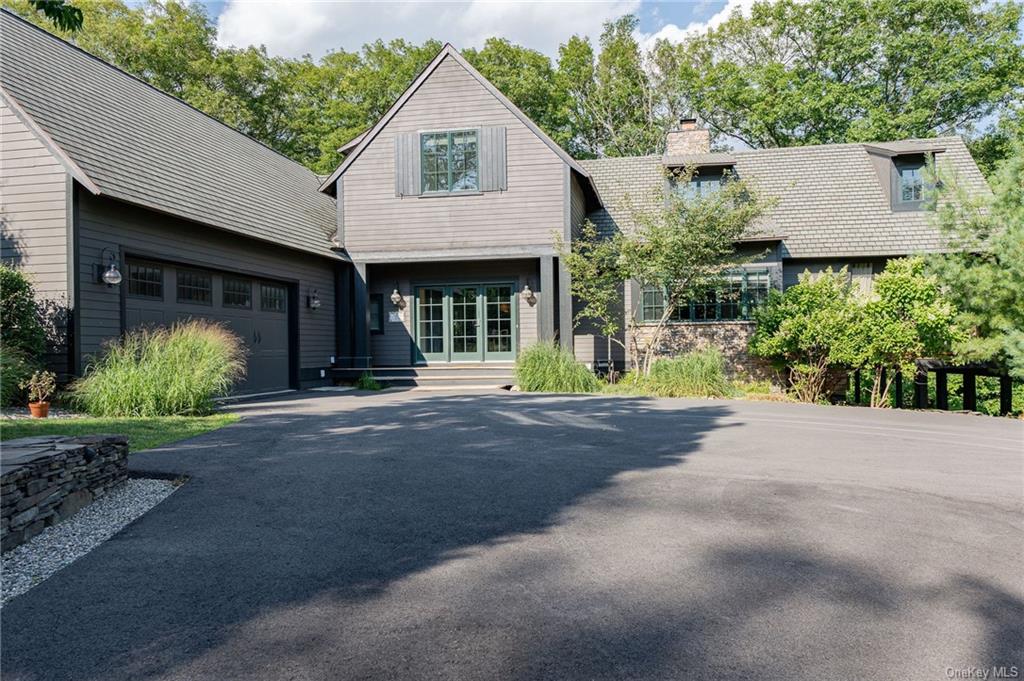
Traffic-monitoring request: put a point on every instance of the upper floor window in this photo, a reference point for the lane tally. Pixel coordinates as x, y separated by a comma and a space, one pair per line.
911, 184
704, 182
450, 161
743, 291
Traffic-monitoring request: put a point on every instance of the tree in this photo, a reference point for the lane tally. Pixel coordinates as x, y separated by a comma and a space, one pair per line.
63, 14
829, 71
995, 145
678, 245
906, 319
613, 108
527, 78
984, 273
810, 330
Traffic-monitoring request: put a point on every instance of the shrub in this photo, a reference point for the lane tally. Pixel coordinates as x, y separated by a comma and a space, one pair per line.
14, 369
162, 372
19, 318
366, 381
809, 329
695, 374
547, 368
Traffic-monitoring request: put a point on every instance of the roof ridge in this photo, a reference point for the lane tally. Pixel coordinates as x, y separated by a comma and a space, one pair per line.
90, 55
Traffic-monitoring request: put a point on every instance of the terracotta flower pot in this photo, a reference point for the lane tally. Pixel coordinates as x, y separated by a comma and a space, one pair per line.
40, 410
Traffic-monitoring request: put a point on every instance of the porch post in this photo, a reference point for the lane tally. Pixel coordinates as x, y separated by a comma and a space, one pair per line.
546, 302
360, 316
565, 330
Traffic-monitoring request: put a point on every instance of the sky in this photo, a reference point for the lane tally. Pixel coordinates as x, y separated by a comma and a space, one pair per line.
293, 28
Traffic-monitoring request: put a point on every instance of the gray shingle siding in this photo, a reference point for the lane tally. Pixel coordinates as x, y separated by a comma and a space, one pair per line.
143, 146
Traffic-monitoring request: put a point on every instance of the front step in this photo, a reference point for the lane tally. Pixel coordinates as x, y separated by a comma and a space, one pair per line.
468, 375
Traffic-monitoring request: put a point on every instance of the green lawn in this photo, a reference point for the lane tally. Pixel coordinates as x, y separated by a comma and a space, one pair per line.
142, 433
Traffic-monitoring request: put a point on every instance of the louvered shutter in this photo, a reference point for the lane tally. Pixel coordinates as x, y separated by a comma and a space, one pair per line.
407, 164
492, 159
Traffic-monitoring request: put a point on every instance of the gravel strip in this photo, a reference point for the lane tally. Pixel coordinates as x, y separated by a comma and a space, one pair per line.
58, 546
18, 413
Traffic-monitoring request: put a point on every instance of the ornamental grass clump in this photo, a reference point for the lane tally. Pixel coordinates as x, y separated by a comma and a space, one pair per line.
695, 374
162, 372
547, 368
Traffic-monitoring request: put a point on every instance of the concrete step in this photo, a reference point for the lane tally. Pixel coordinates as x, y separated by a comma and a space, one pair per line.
477, 375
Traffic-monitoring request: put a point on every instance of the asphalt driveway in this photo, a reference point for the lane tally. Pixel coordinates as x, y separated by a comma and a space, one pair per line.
504, 536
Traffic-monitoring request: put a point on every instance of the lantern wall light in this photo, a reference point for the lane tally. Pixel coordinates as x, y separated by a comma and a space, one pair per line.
108, 273
528, 295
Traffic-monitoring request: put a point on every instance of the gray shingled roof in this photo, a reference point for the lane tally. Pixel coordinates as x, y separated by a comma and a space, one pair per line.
830, 200
143, 146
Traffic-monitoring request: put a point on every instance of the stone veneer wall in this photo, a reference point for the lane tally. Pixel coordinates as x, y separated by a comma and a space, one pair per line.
44, 480
731, 339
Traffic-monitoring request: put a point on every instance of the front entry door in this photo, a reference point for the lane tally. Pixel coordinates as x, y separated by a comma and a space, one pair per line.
465, 323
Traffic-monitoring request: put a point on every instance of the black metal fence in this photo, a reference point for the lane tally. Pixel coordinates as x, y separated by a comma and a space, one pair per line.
922, 398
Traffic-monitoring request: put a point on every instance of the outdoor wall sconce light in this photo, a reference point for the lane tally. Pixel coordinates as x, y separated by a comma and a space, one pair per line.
397, 300
529, 296
313, 300
108, 274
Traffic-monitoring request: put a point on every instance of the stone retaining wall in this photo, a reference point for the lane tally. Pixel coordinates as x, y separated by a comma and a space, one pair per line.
44, 480
731, 339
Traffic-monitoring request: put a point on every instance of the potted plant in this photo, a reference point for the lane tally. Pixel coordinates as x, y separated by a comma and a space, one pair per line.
40, 388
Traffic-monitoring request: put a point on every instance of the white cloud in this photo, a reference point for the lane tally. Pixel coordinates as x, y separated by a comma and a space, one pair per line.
675, 34
309, 27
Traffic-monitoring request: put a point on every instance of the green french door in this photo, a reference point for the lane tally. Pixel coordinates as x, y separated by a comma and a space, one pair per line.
465, 323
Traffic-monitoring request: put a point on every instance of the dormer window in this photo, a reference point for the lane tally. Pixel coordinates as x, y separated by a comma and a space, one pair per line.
911, 182
910, 185
704, 182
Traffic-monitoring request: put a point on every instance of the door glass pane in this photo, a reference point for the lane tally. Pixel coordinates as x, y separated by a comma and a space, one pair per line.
430, 313
499, 319
464, 336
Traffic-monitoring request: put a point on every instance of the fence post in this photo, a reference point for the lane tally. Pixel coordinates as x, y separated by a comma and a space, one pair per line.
941, 390
1005, 395
970, 391
921, 389
897, 386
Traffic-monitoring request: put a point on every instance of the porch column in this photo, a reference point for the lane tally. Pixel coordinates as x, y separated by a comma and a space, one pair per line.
546, 302
343, 311
565, 329
360, 316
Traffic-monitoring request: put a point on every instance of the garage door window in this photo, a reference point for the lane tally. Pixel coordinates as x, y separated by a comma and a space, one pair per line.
237, 292
272, 298
195, 287
145, 280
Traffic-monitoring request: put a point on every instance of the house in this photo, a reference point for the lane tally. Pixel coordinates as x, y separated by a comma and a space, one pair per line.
99, 169
433, 244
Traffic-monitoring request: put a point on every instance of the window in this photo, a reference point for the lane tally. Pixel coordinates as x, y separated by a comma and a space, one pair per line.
273, 297
237, 292
704, 182
911, 184
742, 293
195, 287
376, 313
145, 280
450, 161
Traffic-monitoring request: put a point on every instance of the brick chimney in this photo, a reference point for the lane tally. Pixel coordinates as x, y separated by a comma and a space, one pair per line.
687, 138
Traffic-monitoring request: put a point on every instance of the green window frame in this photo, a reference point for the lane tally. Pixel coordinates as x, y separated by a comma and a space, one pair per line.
450, 161
742, 293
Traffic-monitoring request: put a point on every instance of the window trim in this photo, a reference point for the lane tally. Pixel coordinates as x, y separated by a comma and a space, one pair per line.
377, 302
144, 263
424, 192
744, 303
224, 291
910, 161
177, 286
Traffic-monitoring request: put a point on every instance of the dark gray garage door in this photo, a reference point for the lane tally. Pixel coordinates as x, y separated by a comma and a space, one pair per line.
255, 309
